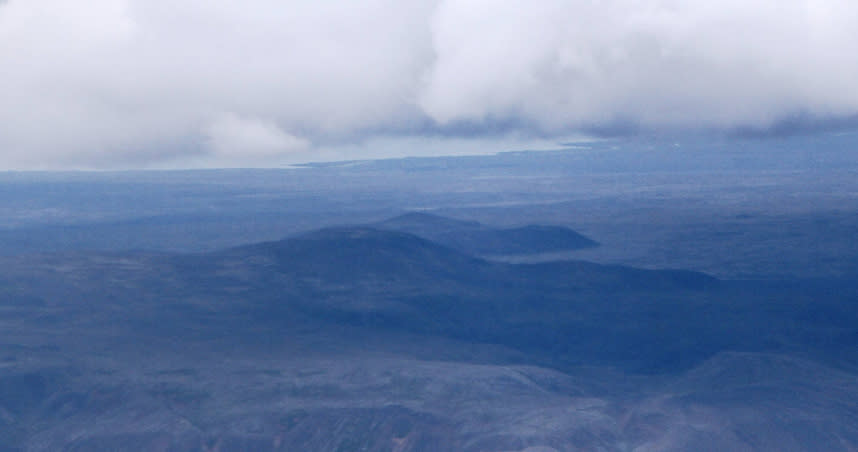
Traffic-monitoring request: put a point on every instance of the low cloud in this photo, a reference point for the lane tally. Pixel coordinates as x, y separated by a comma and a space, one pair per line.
232, 136
146, 83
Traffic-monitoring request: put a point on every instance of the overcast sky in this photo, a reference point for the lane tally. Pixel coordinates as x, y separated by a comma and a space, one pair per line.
161, 83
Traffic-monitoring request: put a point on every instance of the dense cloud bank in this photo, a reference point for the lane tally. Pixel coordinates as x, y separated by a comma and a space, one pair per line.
134, 82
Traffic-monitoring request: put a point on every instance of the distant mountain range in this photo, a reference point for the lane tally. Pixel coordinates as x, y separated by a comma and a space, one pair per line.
475, 238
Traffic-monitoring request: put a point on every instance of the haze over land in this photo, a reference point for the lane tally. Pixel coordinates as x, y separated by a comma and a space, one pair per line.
277, 310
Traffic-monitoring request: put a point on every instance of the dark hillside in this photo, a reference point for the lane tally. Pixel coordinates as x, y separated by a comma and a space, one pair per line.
475, 238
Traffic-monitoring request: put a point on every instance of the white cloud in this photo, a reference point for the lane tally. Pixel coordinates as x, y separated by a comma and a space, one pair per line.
133, 82
233, 136
662, 63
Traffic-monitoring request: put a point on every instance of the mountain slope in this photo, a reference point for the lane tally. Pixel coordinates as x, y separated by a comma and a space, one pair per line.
473, 237
357, 338
352, 253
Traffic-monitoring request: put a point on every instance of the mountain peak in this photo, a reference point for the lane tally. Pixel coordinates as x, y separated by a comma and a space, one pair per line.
359, 251
423, 222
475, 238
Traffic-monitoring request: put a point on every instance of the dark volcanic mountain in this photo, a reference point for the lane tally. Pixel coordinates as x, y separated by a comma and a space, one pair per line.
356, 338
475, 238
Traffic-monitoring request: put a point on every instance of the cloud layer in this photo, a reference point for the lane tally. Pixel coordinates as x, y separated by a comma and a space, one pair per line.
139, 83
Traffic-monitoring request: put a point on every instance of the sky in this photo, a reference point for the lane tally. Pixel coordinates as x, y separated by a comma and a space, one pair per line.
208, 83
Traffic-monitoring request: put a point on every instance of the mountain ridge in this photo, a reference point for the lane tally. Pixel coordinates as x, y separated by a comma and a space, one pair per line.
476, 238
